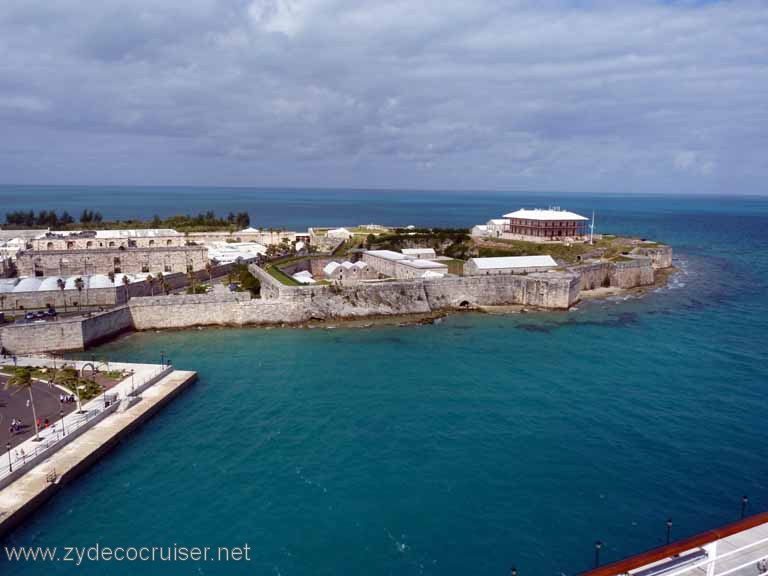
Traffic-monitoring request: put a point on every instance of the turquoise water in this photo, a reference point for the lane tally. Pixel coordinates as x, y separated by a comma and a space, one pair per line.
459, 448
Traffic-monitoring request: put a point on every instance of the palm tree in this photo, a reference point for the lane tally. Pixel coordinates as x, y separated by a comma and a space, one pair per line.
62, 285
209, 269
160, 281
79, 284
151, 282
22, 379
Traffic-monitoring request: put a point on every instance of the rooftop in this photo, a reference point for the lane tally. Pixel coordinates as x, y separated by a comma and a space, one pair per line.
145, 233
514, 262
544, 214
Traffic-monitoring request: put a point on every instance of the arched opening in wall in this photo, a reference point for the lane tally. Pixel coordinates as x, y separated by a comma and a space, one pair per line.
464, 304
49, 246
70, 245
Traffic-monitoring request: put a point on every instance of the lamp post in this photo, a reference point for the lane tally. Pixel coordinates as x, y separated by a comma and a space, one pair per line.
132, 386
63, 430
744, 502
669, 529
598, 545
162, 358
10, 464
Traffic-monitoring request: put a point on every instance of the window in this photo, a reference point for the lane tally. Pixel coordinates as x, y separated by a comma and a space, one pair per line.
70, 245
49, 246
151, 242
167, 268
145, 267
116, 260
89, 244
168, 242
111, 244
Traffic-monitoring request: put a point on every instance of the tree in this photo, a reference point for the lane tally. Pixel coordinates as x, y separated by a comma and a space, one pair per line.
22, 379
209, 269
62, 285
66, 218
80, 284
151, 282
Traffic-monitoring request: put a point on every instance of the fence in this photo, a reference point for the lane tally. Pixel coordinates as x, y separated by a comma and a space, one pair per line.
16, 462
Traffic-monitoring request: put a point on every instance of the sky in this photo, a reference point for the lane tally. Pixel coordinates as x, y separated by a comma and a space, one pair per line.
588, 96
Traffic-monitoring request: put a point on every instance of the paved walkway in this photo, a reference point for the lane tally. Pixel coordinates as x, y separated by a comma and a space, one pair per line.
23, 495
14, 403
24, 450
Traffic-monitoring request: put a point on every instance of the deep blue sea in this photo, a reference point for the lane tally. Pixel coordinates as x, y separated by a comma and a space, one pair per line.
460, 448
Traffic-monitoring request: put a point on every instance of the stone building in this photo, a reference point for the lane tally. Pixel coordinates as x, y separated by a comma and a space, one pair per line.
537, 225
123, 259
508, 265
402, 266
96, 239
348, 272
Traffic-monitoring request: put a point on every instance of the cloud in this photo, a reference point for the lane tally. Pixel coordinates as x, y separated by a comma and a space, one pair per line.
636, 96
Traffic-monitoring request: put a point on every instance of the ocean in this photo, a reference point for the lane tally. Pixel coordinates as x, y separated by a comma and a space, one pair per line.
465, 447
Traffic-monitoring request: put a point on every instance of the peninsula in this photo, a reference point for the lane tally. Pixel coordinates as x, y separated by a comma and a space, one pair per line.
70, 288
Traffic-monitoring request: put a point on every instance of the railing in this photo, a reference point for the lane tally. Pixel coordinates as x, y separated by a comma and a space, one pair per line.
727, 563
17, 461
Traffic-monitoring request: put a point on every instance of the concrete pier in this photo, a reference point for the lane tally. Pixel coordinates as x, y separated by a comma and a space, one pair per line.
30, 490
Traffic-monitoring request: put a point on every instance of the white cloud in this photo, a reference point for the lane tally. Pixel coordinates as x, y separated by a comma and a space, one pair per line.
487, 94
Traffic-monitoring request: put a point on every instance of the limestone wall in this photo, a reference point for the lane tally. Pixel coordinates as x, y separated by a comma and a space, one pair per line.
237, 309
546, 290
43, 336
632, 274
105, 325
660, 255
593, 275
65, 334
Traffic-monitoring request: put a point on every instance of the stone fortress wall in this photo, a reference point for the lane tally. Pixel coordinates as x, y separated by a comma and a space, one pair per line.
282, 304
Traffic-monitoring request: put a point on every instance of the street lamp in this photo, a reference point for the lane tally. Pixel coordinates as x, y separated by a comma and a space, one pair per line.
669, 529
132, 387
63, 430
744, 501
8, 448
598, 545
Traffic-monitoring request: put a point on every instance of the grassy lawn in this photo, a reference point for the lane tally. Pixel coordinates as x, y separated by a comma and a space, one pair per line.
613, 247
281, 276
455, 266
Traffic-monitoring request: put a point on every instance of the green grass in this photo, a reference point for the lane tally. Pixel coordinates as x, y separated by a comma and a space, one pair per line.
281, 276
612, 246
455, 266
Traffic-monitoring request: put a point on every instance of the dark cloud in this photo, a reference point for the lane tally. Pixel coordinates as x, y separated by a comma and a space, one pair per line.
636, 96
